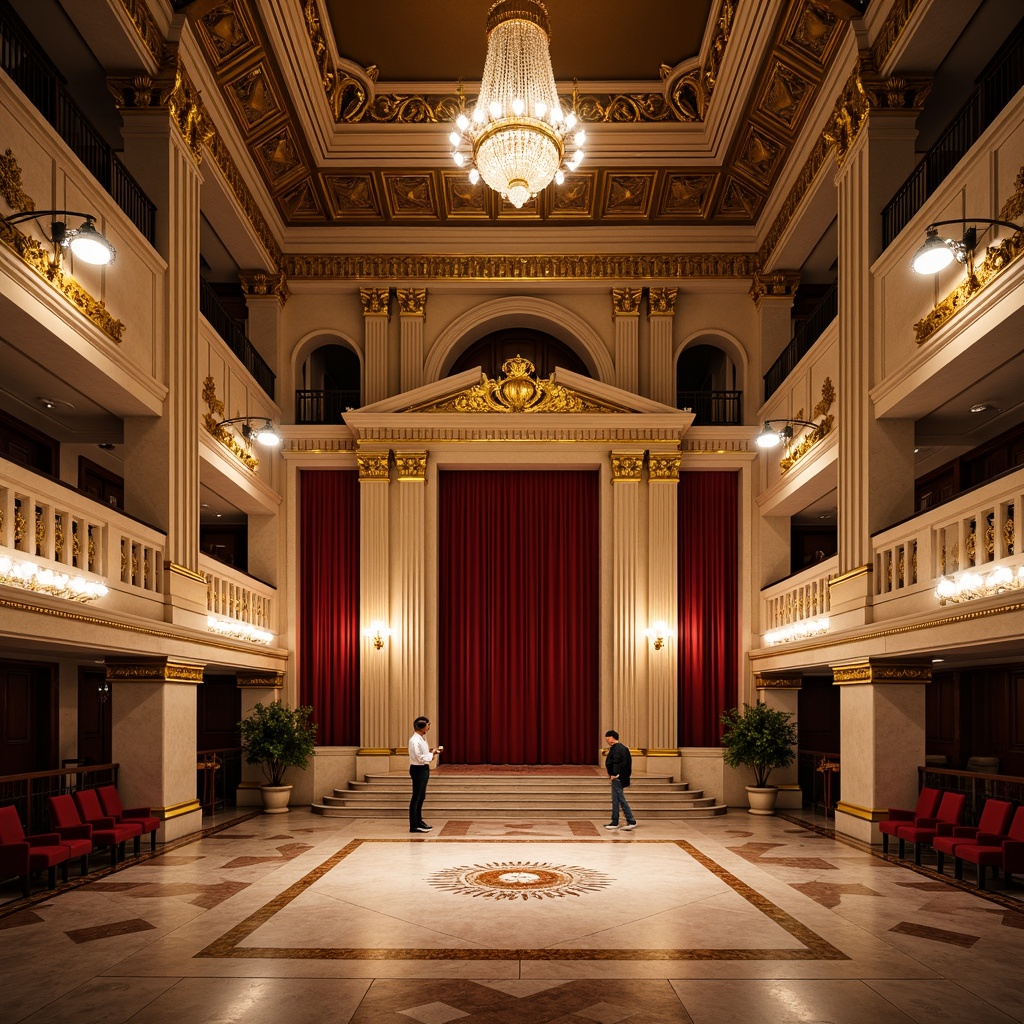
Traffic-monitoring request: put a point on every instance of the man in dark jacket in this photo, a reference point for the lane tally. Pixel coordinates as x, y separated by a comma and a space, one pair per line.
619, 765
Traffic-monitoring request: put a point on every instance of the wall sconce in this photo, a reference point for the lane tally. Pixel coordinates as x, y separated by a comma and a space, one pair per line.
253, 430
658, 634
85, 242
103, 690
937, 253
377, 631
772, 435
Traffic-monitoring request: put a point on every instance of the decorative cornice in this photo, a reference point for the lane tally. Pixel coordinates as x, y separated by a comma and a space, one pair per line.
519, 390
892, 28
810, 439
374, 467
626, 301
662, 301
261, 680
259, 282
627, 467
778, 682
216, 429
663, 467
411, 465
166, 670
376, 301
873, 670
852, 574
689, 93
144, 23
412, 301
779, 284
540, 267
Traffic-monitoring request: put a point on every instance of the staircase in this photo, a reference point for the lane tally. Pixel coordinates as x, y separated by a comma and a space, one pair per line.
493, 795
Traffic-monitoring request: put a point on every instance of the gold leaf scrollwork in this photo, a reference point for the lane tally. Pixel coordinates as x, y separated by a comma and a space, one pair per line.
374, 466
971, 546
20, 525
804, 445
990, 538
40, 532
58, 537
10, 184
216, 429
626, 301
76, 546
627, 466
663, 467
376, 301
92, 552
1008, 531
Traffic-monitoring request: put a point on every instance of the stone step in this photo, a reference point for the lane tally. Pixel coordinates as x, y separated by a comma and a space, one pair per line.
402, 786
570, 813
527, 800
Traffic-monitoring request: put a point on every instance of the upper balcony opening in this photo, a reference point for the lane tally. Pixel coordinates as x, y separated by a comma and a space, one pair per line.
331, 385
706, 384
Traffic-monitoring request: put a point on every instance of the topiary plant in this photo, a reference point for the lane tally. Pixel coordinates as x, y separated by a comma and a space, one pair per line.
761, 738
277, 737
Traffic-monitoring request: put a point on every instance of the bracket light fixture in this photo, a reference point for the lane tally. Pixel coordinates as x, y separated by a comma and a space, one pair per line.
252, 429
937, 253
773, 434
377, 632
85, 242
658, 634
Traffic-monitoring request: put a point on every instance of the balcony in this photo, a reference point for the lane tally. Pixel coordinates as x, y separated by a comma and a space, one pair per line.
235, 596
803, 339
324, 406
796, 605
234, 336
712, 408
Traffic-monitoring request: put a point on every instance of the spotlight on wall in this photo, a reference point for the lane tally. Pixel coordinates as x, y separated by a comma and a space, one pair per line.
85, 242
252, 429
772, 434
658, 633
103, 691
377, 631
936, 253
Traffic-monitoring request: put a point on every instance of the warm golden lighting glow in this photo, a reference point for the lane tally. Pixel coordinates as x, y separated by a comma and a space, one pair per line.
29, 576
377, 631
658, 634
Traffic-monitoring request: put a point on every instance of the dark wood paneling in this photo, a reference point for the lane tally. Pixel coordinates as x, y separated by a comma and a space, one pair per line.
28, 717
95, 717
218, 710
818, 715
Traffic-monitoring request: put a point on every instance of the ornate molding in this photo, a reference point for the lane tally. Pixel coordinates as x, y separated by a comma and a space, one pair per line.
167, 670
376, 301
809, 440
626, 301
519, 390
892, 28
663, 467
778, 682
779, 284
263, 680
259, 282
874, 671
374, 466
627, 467
540, 267
184, 570
690, 92
347, 93
662, 301
147, 29
412, 301
217, 430
410, 465
10, 184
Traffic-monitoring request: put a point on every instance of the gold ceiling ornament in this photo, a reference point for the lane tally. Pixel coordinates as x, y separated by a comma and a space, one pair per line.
662, 301
347, 91
260, 282
411, 465
810, 439
376, 301
374, 466
663, 467
520, 390
626, 301
895, 22
148, 31
627, 467
217, 430
781, 283
412, 301
689, 92
10, 184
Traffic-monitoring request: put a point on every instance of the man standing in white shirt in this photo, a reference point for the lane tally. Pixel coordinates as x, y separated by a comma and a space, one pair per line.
420, 756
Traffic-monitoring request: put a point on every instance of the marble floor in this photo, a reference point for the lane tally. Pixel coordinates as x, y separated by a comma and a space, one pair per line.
301, 919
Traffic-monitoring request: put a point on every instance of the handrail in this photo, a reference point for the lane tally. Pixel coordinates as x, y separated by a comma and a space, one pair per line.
976, 786
324, 406
235, 337
712, 408
804, 337
29, 791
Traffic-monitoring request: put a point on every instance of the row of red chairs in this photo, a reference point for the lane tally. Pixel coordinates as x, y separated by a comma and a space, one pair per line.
92, 817
995, 843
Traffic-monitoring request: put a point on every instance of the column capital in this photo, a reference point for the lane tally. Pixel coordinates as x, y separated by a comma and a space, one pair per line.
412, 301
411, 466
663, 466
376, 301
882, 670
262, 283
662, 302
779, 284
626, 301
154, 670
374, 466
627, 466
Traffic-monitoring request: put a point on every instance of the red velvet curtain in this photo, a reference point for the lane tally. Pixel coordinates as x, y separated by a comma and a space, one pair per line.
708, 609
328, 633
518, 617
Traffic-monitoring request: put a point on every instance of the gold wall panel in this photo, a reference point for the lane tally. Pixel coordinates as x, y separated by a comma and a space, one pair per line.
628, 195
352, 196
574, 198
463, 200
301, 203
411, 194
226, 33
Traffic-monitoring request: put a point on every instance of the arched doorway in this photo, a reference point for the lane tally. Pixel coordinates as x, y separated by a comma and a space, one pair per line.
329, 385
707, 384
542, 349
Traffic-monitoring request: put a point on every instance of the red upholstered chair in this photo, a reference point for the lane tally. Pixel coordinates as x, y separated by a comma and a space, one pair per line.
927, 805
110, 801
923, 830
88, 804
989, 849
66, 821
995, 816
20, 855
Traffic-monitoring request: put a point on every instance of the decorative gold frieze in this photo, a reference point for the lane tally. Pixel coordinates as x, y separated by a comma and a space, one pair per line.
520, 390
412, 301
781, 283
799, 450
376, 301
874, 671
778, 682
259, 282
411, 465
10, 185
145, 25
375, 466
167, 670
261, 680
626, 466
626, 301
663, 467
895, 22
662, 301
214, 426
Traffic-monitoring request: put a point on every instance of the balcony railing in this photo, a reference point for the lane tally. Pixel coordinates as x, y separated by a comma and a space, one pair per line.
999, 83
234, 336
30, 791
232, 594
23, 60
712, 408
809, 331
798, 598
324, 406
976, 786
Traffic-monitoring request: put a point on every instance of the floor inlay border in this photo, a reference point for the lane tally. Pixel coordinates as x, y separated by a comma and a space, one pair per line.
227, 946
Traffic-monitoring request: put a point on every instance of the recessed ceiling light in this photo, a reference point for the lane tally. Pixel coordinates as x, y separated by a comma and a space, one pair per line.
981, 407
203, 505
936, 661
52, 403
916, 450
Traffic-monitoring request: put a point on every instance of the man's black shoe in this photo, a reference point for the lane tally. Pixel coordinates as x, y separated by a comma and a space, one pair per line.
420, 828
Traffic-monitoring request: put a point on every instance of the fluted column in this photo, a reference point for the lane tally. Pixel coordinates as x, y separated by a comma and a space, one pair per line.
661, 319
412, 305
409, 594
773, 298
662, 603
374, 600
376, 317
628, 598
626, 317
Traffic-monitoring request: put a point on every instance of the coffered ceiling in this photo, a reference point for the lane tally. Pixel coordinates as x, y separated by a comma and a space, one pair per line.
691, 106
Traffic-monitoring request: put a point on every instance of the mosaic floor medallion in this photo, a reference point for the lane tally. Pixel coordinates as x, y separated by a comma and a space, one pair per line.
514, 880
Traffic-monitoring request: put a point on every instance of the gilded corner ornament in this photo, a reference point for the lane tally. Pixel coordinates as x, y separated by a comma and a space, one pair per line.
662, 301
376, 301
260, 282
347, 92
10, 185
375, 466
627, 466
781, 283
411, 465
626, 301
412, 301
216, 429
810, 439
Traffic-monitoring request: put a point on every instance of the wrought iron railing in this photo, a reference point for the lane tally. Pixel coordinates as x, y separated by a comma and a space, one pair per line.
30, 791
999, 83
34, 74
235, 338
977, 786
324, 406
809, 331
712, 408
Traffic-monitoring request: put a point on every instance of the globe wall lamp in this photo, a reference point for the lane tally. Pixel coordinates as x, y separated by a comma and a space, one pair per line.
254, 430
776, 432
937, 253
377, 631
85, 242
658, 634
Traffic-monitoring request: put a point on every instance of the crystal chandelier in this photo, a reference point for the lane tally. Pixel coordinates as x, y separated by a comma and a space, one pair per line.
517, 130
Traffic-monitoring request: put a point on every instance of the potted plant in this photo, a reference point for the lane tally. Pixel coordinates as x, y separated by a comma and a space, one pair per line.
277, 737
762, 739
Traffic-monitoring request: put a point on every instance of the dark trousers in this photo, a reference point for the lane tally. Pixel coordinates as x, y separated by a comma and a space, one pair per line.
420, 775
619, 798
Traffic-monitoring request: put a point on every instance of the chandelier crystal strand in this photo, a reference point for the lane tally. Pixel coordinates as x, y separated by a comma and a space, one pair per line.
517, 128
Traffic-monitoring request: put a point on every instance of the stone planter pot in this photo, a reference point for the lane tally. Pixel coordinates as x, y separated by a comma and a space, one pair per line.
275, 799
762, 799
